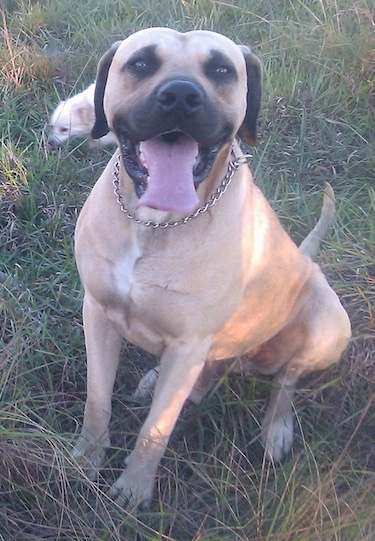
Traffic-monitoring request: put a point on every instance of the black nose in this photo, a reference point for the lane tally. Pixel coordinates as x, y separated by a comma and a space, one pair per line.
180, 96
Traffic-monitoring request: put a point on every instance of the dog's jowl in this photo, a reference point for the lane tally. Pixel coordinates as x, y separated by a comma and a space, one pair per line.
186, 259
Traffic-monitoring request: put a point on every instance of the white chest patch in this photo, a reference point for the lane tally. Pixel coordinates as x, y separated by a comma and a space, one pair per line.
123, 272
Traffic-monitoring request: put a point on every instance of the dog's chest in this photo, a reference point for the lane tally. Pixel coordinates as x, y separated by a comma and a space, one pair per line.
123, 274
141, 291
158, 297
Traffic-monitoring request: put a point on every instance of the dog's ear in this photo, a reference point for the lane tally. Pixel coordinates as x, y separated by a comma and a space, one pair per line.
248, 129
86, 116
101, 127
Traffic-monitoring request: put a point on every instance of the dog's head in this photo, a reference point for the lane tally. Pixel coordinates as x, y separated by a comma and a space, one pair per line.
174, 100
72, 118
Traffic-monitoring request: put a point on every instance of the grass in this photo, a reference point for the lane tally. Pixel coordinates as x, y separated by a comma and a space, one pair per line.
317, 124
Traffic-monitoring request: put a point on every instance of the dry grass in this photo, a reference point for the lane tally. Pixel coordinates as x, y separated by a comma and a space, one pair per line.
317, 124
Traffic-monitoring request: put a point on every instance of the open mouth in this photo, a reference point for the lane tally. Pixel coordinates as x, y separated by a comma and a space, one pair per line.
167, 169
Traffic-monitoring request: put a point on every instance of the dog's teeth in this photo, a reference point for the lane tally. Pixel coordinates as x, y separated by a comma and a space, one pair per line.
142, 160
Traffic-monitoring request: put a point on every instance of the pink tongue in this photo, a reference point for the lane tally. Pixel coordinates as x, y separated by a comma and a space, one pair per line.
170, 168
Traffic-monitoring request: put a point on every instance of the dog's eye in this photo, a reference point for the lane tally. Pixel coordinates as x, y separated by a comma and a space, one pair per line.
143, 62
220, 69
63, 130
223, 70
140, 65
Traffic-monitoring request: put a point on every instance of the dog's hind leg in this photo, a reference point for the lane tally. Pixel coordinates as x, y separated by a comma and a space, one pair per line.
212, 371
277, 425
146, 386
315, 341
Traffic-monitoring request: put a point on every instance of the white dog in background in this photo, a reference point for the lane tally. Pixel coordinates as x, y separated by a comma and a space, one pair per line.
74, 118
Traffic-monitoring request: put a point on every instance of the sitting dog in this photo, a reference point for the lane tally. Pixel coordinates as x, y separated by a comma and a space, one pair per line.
74, 118
187, 259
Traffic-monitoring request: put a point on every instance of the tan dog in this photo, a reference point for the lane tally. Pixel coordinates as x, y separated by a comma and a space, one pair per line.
74, 119
184, 263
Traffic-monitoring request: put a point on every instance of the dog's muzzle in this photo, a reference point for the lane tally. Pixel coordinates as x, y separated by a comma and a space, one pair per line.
169, 145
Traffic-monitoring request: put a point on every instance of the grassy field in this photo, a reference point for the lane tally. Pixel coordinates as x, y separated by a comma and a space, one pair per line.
316, 125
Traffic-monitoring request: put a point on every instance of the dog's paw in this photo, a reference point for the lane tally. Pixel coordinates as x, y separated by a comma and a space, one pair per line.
146, 385
132, 489
277, 437
89, 456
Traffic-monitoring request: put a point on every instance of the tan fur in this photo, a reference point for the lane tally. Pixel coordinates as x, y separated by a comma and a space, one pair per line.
229, 284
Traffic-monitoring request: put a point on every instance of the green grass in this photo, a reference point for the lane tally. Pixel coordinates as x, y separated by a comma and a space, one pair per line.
317, 124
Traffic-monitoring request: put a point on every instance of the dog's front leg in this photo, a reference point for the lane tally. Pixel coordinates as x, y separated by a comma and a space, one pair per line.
103, 345
180, 366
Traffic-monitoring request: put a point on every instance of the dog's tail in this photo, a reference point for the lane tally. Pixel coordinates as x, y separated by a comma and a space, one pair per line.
310, 245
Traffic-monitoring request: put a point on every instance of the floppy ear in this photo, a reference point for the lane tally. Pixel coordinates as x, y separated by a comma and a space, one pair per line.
101, 127
248, 130
86, 115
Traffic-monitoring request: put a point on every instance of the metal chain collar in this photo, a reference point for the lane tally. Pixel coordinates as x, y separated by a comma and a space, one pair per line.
216, 196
